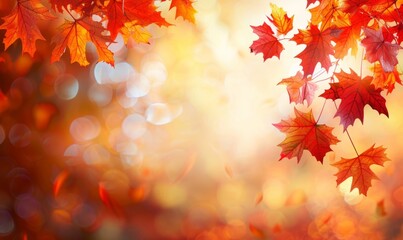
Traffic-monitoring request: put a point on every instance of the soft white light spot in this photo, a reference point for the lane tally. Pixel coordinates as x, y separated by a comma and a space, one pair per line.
96, 154
122, 72
100, 94
66, 87
134, 126
20, 135
138, 86
85, 128
161, 113
155, 72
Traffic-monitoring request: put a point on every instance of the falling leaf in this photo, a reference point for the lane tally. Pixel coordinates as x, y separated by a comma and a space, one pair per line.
354, 93
380, 208
43, 113
303, 132
259, 198
228, 170
359, 168
280, 20
299, 88
59, 181
267, 43
256, 231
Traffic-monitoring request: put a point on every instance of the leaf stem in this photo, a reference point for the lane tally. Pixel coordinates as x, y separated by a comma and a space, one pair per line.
352, 143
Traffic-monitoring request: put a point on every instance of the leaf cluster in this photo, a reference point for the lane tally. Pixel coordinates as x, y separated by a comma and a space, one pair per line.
86, 21
336, 29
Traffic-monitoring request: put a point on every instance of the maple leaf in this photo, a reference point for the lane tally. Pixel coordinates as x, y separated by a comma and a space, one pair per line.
385, 80
280, 20
378, 7
184, 9
324, 13
115, 17
144, 12
318, 48
136, 32
21, 24
75, 35
351, 6
379, 49
359, 168
354, 93
267, 43
350, 27
299, 88
303, 132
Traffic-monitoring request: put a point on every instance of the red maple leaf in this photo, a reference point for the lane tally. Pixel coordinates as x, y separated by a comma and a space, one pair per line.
354, 93
21, 24
379, 49
359, 168
303, 132
318, 48
300, 88
267, 43
115, 15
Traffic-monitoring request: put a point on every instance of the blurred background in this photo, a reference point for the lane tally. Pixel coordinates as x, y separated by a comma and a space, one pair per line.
177, 142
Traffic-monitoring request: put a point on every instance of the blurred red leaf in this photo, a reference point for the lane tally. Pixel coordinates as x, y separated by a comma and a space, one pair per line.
256, 231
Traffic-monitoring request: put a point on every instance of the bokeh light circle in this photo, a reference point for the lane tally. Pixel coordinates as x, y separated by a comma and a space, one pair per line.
134, 126
85, 128
66, 87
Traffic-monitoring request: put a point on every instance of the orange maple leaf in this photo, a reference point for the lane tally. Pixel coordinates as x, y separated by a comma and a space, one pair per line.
184, 8
359, 168
75, 35
385, 80
279, 18
21, 24
350, 27
318, 48
324, 14
303, 132
134, 31
299, 88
